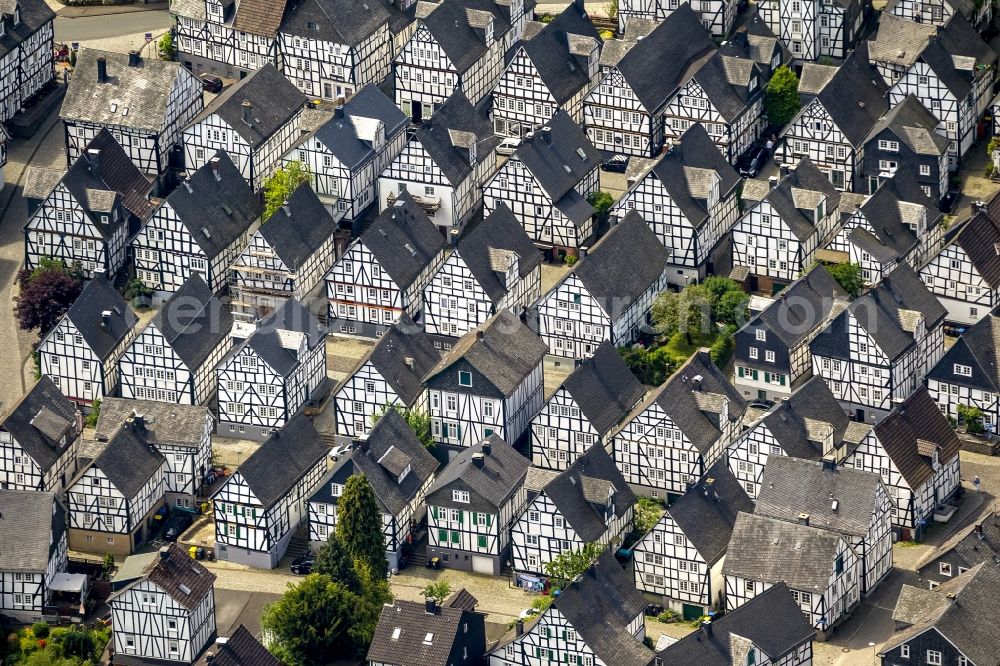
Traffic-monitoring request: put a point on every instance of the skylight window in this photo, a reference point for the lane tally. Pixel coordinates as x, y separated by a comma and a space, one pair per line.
395, 633
429, 638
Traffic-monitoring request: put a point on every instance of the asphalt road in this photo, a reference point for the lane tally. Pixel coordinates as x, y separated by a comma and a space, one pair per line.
102, 27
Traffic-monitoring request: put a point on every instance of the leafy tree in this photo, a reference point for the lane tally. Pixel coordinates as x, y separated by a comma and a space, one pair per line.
602, 203
312, 621
650, 366
781, 98
611, 9
418, 420
647, 513
722, 349
438, 591
78, 644
166, 45
91, 422
374, 593
688, 311
848, 276
334, 561
732, 308
359, 524
280, 186
47, 292
136, 288
569, 564
971, 417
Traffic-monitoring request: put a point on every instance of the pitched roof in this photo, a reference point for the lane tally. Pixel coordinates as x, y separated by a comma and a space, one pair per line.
899, 41
801, 307
242, 649
40, 420
183, 579
855, 96
407, 634
604, 388
979, 542
915, 421
129, 461
795, 196
978, 348
499, 231
193, 322
34, 15
274, 100
795, 423
457, 26
31, 525
337, 21
403, 241
298, 229
892, 208
437, 136
493, 484
772, 621
215, 204
350, 133
772, 551
979, 237
183, 425
726, 82
259, 17
559, 51
272, 343
403, 341
136, 97
503, 350
87, 314
285, 457
94, 183
955, 54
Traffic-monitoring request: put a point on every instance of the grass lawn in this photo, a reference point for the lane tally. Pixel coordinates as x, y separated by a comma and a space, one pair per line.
678, 349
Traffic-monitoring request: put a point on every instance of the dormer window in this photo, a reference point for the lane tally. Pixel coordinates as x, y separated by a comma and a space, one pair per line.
821, 210
489, 32
17, 15
472, 154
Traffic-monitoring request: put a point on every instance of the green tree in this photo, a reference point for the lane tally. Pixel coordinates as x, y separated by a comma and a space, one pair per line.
569, 564
647, 513
971, 417
312, 621
722, 348
688, 311
79, 644
602, 203
848, 276
611, 9
359, 524
438, 591
91, 422
166, 45
650, 366
374, 593
781, 98
732, 308
136, 288
334, 561
280, 186
418, 420
46, 293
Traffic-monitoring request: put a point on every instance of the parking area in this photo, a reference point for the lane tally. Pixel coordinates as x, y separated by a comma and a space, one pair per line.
236, 607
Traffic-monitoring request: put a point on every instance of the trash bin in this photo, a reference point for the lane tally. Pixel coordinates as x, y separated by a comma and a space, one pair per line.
193, 552
435, 563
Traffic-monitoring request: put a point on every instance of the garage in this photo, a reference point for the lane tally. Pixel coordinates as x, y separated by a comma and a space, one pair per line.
483, 565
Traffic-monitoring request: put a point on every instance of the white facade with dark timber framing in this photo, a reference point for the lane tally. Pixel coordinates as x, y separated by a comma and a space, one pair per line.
259, 507
472, 505
679, 431
968, 376
267, 379
607, 295
227, 38
689, 199
255, 121
168, 615
488, 383
599, 393
34, 529
812, 29
26, 62
718, 16
940, 12
81, 354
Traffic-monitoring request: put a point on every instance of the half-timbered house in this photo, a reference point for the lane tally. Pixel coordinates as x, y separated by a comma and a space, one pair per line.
260, 507
429, 634
143, 102
679, 431
689, 199
26, 54
201, 227
678, 563
225, 37
818, 565
34, 531
488, 383
554, 67
624, 112
241, 648
939, 13
494, 266
546, 183
182, 433
979, 542
718, 16
347, 153
168, 615
588, 502
897, 44
391, 374
876, 353
597, 619
330, 49
444, 165
382, 274
598, 394
81, 354
267, 379
112, 501
86, 215
968, 376
965, 274
754, 40
915, 450
608, 294
286, 258
255, 121
840, 106
785, 222
39, 440
173, 359
400, 471
472, 505
809, 425
812, 29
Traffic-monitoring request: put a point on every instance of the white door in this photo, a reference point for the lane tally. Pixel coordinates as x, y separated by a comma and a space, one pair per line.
483, 565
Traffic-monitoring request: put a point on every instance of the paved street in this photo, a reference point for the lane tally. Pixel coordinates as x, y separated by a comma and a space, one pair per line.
88, 28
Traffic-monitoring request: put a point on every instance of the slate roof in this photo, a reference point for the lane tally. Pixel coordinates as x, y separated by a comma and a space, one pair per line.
894, 205
452, 24
914, 125
755, 41
978, 238
772, 551
297, 230
266, 341
40, 181
183, 579
399, 636
556, 52
621, 266
783, 198
25, 546
403, 241
604, 388
242, 649
39, 420
34, 15
337, 21
193, 322
499, 231
771, 620
695, 154
726, 82
183, 425
490, 486
503, 350
707, 512
402, 341
99, 296
899, 41
259, 17
220, 202
959, 39
791, 486
272, 471
435, 136
349, 135
134, 97
916, 418
979, 542
129, 461
788, 421
274, 100
978, 348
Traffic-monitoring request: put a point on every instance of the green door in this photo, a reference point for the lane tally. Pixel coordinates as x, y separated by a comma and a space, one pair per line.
692, 612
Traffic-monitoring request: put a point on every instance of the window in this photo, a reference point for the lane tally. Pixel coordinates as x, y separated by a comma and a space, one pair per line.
933, 658
753, 352
769, 356
464, 378
944, 569
925, 170
904, 651
963, 370
460, 496
761, 335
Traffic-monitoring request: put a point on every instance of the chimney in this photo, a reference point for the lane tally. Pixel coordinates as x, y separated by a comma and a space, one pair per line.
829, 465
286, 209
487, 448
709, 485
133, 59
519, 628
804, 519
430, 606
409, 362
102, 70
689, 483
79, 420
187, 186
94, 157
479, 334
106, 320
706, 628
209, 658
164, 553
214, 164
247, 109
139, 421
696, 382
478, 459
772, 181
545, 134
979, 530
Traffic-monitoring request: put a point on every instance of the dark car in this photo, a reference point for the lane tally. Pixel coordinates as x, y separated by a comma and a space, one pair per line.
753, 161
176, 525
303, 565
212, 84
616, 163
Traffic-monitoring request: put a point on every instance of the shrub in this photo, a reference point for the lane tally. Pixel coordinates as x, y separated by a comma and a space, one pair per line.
722, 350
571, 259
667, 616
40, 629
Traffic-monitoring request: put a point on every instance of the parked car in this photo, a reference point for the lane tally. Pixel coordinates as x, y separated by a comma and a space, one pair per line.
176, 525
340, 450
508, 146
616, 163
753, 161
212, 84
302, 566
